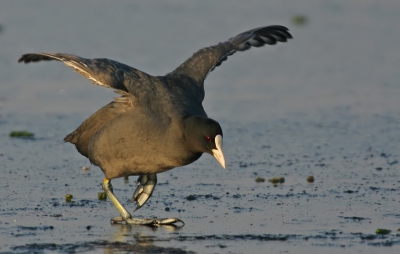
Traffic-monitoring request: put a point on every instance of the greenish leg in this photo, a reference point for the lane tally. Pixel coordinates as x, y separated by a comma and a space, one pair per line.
142, 194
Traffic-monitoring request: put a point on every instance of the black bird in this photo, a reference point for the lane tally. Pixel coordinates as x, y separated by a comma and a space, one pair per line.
158, 122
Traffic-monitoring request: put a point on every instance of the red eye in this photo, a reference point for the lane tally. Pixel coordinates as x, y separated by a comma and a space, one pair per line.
208, 138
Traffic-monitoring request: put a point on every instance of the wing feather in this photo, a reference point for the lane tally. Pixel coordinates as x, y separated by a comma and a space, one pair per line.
100, 71
205, 60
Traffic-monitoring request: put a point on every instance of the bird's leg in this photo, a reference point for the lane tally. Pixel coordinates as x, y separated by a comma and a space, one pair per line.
143, 192
125, 215
140, 199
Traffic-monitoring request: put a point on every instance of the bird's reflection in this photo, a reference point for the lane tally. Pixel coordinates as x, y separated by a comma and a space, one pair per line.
139, 239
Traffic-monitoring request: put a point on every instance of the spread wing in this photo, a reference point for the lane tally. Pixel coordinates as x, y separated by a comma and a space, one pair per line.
101, 71
130, 83
205, 60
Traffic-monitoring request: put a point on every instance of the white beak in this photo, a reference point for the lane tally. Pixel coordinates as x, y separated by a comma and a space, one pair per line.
218, 153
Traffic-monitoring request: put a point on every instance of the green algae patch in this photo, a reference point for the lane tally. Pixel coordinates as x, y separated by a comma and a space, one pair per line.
277, 180
382, 231
21, 134
101, 196
68, 198
260, 180
299, 20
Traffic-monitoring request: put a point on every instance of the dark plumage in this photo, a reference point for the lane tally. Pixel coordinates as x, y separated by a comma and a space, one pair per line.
157, 123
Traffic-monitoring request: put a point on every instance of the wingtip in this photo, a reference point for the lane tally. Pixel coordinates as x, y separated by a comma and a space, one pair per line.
21, 59
25, 58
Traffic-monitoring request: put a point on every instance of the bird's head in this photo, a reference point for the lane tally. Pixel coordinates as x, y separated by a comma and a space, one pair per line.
205, 135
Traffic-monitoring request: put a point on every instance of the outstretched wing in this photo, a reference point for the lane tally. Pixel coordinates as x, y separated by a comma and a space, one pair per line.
205, 60
102, 71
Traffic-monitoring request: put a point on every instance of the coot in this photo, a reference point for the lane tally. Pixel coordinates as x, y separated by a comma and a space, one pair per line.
158, 122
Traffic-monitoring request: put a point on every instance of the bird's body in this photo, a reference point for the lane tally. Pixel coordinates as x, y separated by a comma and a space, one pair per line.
139, 128
141, 147
158, 122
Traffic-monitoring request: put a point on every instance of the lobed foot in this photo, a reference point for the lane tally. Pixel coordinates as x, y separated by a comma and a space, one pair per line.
141, 195
143, 192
